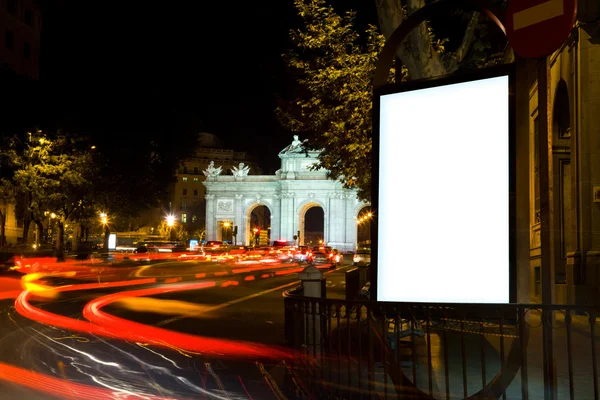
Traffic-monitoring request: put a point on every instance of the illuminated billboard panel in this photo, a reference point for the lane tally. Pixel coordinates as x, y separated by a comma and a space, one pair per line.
112, 241
443, 212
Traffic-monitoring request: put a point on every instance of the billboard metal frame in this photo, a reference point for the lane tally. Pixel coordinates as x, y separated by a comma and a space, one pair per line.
490, 72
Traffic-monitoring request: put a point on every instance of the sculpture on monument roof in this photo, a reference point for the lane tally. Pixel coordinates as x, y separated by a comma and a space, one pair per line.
240, 171
295, 147
211, 171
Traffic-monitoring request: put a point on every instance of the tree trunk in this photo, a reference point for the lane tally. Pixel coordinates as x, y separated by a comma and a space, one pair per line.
41, 236
416, 51
60, 241
76, 238
26, 223
2, 230
106, 236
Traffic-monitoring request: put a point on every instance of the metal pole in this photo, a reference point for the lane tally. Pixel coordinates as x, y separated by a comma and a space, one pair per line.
547, 266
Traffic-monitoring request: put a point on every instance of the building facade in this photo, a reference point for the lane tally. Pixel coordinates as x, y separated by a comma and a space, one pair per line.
573, 167
288, 195
21, 24
187, 200
20, 29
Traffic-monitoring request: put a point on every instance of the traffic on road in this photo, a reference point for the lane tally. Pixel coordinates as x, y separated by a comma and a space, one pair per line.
152, 322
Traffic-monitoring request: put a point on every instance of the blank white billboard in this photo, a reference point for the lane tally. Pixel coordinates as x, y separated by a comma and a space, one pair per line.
112, 241
443, 209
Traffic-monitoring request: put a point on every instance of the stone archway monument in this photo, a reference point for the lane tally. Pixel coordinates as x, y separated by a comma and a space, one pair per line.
288, 194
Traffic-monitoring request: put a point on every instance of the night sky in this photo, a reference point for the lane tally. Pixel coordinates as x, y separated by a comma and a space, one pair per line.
114, 65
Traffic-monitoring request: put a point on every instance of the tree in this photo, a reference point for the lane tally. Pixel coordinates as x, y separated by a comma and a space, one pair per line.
335, 64
57, 174
6, 197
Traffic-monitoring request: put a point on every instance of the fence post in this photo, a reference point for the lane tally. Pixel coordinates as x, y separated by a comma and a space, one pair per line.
352, 284
313, 283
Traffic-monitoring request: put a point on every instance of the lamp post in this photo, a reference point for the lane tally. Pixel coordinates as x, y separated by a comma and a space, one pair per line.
171, 224
106, 230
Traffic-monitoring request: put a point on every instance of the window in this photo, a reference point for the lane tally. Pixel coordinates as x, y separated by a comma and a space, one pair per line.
195, 180
183, 204
194, 219
11, 6
29, 17
195, 192
184, 179
26, 51
185, 192
195, 170
9, 40
536, 168
184, 218
185, 169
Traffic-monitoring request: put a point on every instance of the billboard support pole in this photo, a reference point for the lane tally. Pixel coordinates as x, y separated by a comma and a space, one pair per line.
547, 266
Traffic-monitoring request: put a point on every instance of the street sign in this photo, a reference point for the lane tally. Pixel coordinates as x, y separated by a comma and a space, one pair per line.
536, 28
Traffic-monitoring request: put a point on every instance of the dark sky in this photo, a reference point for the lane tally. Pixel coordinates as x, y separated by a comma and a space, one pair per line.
218, 64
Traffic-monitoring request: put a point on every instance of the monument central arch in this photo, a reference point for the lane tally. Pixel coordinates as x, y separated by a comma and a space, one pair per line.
288, 195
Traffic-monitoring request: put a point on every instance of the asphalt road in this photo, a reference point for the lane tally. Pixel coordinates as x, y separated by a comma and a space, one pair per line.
243, 310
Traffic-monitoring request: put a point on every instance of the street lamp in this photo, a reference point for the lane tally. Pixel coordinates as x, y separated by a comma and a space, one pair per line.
104, 218
170, 220
170, 224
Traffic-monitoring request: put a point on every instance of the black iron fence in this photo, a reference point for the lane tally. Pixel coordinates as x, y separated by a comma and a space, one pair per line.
362, 349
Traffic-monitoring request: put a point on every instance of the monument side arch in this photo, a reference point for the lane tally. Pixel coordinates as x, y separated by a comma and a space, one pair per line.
300, 214
246, 228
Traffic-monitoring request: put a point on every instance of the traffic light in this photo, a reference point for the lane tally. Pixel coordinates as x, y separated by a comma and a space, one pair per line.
235, 230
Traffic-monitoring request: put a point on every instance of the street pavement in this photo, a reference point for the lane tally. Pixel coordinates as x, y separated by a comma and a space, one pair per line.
44, 360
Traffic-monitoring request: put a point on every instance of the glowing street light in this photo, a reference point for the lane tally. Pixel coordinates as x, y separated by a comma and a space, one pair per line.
170, 220
226, 224
52, 215
103, 218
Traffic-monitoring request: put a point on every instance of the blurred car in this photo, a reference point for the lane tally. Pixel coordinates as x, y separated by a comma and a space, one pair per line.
146, 254
319, 257
284, 254
302, 254
362, 257
335, 257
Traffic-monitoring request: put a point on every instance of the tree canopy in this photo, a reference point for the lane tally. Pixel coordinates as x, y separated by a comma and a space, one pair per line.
334, 64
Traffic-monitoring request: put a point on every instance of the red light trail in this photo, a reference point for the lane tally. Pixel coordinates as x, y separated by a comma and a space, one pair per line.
103, 324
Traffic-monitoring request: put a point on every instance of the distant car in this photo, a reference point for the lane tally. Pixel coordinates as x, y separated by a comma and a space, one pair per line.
362, 257
336, 257
320, 257
302, 254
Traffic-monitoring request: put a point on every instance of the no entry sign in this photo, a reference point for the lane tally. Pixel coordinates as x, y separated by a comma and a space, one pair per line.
536, 28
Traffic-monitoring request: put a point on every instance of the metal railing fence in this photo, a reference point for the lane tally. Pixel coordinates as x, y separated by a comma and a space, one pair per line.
364, 349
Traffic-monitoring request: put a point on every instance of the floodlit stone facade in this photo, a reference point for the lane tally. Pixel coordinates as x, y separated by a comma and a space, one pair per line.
288, 195
574, 168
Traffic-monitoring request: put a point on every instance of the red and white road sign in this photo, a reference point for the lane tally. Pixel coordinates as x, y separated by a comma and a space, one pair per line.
536, 28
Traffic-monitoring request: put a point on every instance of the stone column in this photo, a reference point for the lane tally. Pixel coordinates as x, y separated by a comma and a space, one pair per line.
238, 219
287, 216
211, 232
337, 221
351, 227
276, 217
